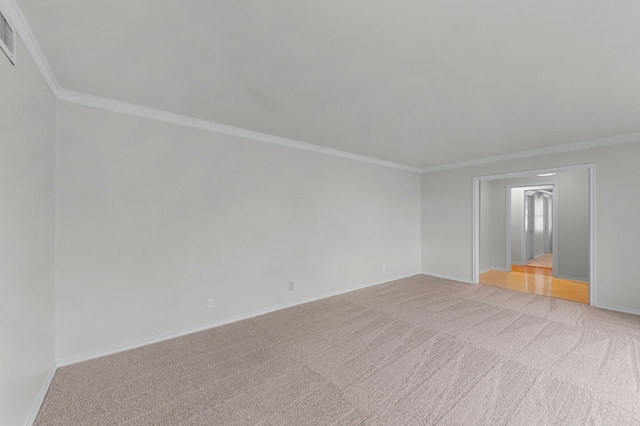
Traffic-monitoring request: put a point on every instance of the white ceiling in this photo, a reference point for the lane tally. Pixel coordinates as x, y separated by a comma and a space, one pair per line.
416, 82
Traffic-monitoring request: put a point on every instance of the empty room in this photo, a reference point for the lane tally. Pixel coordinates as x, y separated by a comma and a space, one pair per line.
319, 213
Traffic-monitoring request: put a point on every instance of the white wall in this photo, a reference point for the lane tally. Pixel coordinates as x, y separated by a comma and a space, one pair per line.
447, 218
515, 227
498, 221
26, 236
572, 228
154, 218
486, 229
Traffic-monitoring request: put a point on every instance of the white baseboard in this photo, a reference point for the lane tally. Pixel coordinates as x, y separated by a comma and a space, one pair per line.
566, 277
43, 392
447, 277
494, 268
97, 354
144, 342
617, 309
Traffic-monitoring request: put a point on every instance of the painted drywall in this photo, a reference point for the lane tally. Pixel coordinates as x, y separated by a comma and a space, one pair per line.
26, 236
447, 216
572, 196
153, 219
495, 208
515, 225
572, 203
486, 229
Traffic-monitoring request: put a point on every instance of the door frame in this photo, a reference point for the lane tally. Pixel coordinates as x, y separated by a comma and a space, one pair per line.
475, 268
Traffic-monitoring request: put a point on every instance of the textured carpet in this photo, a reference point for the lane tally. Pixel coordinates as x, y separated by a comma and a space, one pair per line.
421, 350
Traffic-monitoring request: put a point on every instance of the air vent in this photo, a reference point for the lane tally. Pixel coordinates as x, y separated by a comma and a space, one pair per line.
7, 39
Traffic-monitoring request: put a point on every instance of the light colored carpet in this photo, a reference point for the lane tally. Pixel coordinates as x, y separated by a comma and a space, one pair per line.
417, 351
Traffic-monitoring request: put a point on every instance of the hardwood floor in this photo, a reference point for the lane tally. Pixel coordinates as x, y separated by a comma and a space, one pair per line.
544, 261
539, 281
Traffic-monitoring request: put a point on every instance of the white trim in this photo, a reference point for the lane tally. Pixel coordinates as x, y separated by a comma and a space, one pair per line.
13, 13
160, 338
168, 117
595, 143
495, 268
591, 168
618, 309
532, 173
567, 277
507, 231
592, 236
555, 219
150, 113
10, 51
448, 277
475, 237
43, 392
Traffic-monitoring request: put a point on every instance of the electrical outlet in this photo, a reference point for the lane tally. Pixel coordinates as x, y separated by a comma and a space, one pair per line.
384, 267
210, 303
291, 286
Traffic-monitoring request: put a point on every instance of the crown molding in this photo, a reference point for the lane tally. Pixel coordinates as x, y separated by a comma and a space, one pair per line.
13, 13
595, 143
181, 120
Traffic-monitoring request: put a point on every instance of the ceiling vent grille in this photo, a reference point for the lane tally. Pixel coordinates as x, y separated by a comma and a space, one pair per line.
7, 39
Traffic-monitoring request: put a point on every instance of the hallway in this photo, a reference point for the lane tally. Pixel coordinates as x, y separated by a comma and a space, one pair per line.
544, 261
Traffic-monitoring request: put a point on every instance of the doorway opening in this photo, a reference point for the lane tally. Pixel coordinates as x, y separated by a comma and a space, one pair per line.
531, 225
521, 241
